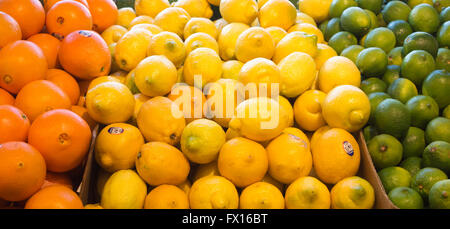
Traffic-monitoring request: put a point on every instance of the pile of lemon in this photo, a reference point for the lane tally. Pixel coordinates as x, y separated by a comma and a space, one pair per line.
155, 155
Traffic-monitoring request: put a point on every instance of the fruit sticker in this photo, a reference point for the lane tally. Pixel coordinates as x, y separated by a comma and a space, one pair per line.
348, 148
115, 130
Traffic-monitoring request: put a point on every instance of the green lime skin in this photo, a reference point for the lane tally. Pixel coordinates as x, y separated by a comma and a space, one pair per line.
437, 155
124, 3
446, 112
412, 164
406, 198
333, 27
369, 132
441, 4
445, 15
323, 26
439, 195
382, 38
402, 89
372, 5
413, 143
341, 41
424, 17
401, 29
338, 6
423, 109
372, 85
438, 129
385, 150
425, 179
437, 85
395, 10
443, 35
417, 65
356, 21
394, 177
373, 19
395, 56
420, 41
352, 52
372, 62
443, 59
393, 118
392, 73
375, 99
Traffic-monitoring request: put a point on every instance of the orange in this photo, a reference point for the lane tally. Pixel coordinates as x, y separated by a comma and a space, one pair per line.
28, 13
10, 30
104, 14
166, 197
67, 16
62, 137
14, 124
66, 82
20, 63
40, 96
55, 197
22, 171
83, 113
6, 98
85, 55
49, 3
57, 179
189, 96
49, 46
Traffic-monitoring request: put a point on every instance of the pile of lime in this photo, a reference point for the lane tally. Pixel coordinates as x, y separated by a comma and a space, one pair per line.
401, 50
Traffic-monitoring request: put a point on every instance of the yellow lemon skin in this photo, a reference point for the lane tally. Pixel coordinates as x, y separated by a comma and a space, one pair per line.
337, 71
324, 52
242, 161
102, 79
166, 197
129, 82
214, 2
169, 45
243, 11
154, 29
352, 193
201, 40
213, 192
294, 79
298, 133
288, 109
309, 29
125, 16
261, 195
139, 100
331, 166
124, 190
231, 69
228, 38
230, 134
110, 102
317, 9
262, 74
132, 48
195, 8
160, 119
281, 13
268, 179
160, 163
155, 76
200, 25
277, 33
203, 63
203, 170
307, 193
305, 18
308, 110
150, 7
220, 23
296, 42
317, 134
190, 99
346, 107
201, 141
173, 19
93, 206
289, 158
253, 43
141, 20
113, 34
261, 3
117, 146
186, 187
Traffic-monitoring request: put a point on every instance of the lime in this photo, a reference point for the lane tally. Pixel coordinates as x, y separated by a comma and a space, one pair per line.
392, 117
446, 112
333, 27
372, 5
369, 132
445, 15
402, 89
443, 59
355, 20
405, 198
381, 22
323, 26
338, 6
395, 10
352, 52
373, 19
372, 85
372, 62
437, 155
437, 86
413, 3
385, 151
420, 41
425, 179
417, 65
443, 35
394, 177
395, 56
423, 109
413, 142
382, 38
412, 164
439, 195
342, 40
401, 30
375, 99
438, 129
441, 4
392, 73
424, 17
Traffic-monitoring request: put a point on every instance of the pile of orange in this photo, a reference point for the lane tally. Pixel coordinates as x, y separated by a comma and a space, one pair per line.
47, 51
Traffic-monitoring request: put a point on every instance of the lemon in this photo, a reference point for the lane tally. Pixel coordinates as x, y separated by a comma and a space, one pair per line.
296, 42
346, 107
243, 11
261, 195
220, 23
117, 146
125, 16
155, 76
324, 52
228, 38
259, 119
304, 18
166, 197
129, 82
294, 79
204, 170
268, 179
154, 29
331, 166
214, 2
307, 193
141, 20
132, 48
261, 3
317, 9
298, 133
180, 75
102, 178
204, 65
190, 99
352, 193
168, 44
113, 34
203, 25
124, 190
195, 8
93, 206
201, 40
231, 69
201, 141
102, 79
185, 186
213, 192
281, 13
253, 43
262, 74
317, 134
139, 100
287, 108
110, 102
309, 29
308, 110
230, 134
337, 71
173, 19
150, 7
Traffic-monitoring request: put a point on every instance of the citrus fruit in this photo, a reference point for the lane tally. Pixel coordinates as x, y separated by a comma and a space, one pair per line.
6, 98
352, 193
104, 14
402, 89
213, 192
385, 150
55, 197
393, 118
324, 52
445, 14
57, 179
394, 177
424, 18
294, 80
296, 42
355, 20
281, 13
436, 155
308, 110
438, 195
195, 8
395, 10
277, 33
166, 197
307, 193
443, 35
382, 38
352, 52
424, 180
442, 59
243, 11
169, 45
435, 85
338, 6
375, 99
392, 73
228, 38
412, 164
199, 40
309, 29
337, 71
231, 69
200, 25
125, 16
372, 85
209, 71
124, 190
150, 7
373, 19
190, 99
410, 66
423, 109
261, 195
49, 46
372, 62
253, 43
14, 124
66, 82
420, 41
413, 143
437, 130
317, 9
29, 14
369, 132
130, 82
342, 40
333, 27
395, 56
406, 198
305, 18
203, 170
374, 6
401, 30
155, 76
